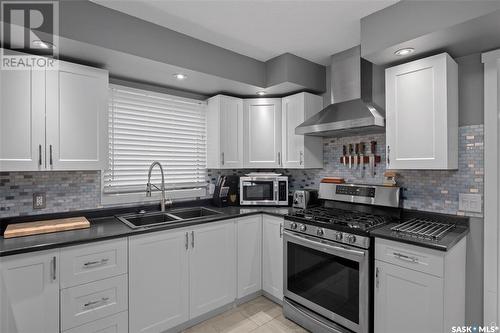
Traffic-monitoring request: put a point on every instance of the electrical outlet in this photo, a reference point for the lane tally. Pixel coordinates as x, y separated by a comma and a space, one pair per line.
39, 200
469, 202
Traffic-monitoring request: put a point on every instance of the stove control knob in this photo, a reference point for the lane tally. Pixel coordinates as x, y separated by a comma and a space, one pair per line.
302, 227
293, 225
320, 232
338, 236
351, 239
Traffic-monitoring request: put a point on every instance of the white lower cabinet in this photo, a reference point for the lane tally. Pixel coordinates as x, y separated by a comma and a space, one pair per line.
92, 301
29, 289
158, 281
249, 262
212, 267
272, 255
418, 289
407, 300
113, 324
180, 274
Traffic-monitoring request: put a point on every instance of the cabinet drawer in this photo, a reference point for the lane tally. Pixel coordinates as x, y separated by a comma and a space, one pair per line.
92, 301
410, 256
113, 324
91, 262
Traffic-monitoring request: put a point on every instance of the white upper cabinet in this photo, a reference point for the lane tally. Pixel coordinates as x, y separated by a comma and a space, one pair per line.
54, 119
262, 133
77, 122
224, 132
422, 114
300, 151
29, 289
22, 119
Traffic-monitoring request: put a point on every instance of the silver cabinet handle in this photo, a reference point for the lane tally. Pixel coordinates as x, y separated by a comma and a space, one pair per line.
377, 283
100, 301
222, 158
192, 239
281, 230
95, 263
187, 240
40, 155
405, 257
54, 269
301, 161
50, 155
388, 155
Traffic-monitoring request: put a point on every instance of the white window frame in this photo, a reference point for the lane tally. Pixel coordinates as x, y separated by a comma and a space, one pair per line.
138, 197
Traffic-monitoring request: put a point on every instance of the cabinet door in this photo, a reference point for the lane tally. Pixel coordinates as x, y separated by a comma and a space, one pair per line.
77, 123
262, 133
212, 271
22, 120
29, 285
231, 132
422, 114
249, 242
293, 144
272, 256
158, 281
407, 300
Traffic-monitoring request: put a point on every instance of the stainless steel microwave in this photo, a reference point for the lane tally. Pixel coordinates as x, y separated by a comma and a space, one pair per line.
264, 189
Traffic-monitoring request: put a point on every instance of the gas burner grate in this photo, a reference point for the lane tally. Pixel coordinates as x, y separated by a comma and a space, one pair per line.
351, 219
423, 228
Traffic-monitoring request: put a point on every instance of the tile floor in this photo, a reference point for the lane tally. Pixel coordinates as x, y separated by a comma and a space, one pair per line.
257, 316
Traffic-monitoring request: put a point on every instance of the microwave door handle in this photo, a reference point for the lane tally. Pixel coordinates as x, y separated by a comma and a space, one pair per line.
319, 245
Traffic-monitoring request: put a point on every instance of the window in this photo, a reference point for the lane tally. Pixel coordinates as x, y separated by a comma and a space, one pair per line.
147, 126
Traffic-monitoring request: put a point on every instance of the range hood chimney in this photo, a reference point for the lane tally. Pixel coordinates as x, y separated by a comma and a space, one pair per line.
352, 110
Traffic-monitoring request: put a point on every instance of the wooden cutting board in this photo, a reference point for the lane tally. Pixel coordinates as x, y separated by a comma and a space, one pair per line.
333, 180
44, 227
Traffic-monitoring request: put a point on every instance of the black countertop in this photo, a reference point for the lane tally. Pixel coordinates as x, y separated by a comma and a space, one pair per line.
104, 225
444, 244
109, 227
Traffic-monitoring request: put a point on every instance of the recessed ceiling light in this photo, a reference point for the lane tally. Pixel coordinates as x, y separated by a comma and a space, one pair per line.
405, 51
180, 76
261, 93
43, 45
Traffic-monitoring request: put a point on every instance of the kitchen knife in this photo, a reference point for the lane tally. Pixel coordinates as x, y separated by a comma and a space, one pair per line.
350, 155
373, 147
362, 154
356, 155
344, 153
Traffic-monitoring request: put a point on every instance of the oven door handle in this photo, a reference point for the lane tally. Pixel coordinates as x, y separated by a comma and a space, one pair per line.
318, 245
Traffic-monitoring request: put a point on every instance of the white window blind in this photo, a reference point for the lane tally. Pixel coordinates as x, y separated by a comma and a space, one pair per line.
147, 126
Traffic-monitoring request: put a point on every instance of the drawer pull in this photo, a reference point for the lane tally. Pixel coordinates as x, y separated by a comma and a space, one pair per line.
95, 263
93, 303
405, 257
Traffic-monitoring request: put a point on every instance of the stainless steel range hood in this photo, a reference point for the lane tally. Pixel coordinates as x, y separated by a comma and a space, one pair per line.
353, 110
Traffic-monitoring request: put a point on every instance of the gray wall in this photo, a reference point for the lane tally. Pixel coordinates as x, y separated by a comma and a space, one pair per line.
407, 20
470, 90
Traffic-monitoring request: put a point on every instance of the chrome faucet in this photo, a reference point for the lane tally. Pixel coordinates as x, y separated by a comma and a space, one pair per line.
162, 188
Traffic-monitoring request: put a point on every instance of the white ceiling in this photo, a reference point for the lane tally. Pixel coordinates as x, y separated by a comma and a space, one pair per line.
261, 29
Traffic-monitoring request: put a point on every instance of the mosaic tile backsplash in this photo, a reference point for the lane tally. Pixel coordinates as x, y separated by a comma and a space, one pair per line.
65, 191
428, 190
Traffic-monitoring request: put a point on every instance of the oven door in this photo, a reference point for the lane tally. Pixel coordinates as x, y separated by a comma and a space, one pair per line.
328, 278
258, 192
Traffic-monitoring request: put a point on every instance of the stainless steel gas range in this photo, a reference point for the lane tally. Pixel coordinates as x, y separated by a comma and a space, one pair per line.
328, 257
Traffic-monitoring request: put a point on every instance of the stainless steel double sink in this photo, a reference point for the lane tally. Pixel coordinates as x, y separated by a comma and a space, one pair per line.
143, 220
